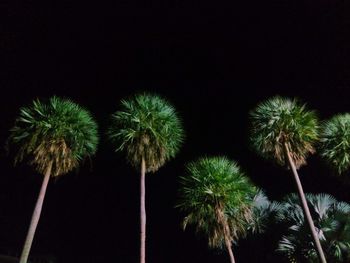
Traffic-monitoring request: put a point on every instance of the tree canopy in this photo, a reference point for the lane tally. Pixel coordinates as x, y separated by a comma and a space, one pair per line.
335, 142
147, 126
281, 120
57, 131
215, 191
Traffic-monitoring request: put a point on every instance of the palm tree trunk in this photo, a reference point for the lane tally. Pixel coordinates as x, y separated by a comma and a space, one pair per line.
229, 249
143, 212
305, 206
36, 216
221, 218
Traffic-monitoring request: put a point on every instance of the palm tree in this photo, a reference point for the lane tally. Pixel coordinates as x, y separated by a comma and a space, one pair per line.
331, 217
285, 131
54, 137
217, 199
148, 129
335, 142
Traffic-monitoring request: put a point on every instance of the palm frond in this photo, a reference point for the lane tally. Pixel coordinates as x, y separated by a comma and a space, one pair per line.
332, 220
280, 120
58, 131
215, 192
264, 212
146, 126
335, 142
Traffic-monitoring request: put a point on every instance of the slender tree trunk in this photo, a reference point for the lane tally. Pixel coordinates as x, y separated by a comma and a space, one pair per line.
36, 216
221, 218
143, 212
229, 249
305, 206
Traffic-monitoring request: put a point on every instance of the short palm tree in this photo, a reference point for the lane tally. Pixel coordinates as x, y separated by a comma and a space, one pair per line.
54, 137
331, 217
217, 199
335, 142
285, 131
148, 129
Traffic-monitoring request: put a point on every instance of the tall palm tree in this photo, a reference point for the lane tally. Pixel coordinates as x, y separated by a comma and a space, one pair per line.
148, 129
331, 217
217, 199
54, 137
285, 131
335, 142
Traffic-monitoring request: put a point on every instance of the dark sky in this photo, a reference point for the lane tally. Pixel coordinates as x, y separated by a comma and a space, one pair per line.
214, 60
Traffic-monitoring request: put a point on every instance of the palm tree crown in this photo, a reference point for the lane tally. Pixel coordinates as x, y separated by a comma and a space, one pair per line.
216, 191
335, 142
147, 127
58, 132
280, 121
332, 220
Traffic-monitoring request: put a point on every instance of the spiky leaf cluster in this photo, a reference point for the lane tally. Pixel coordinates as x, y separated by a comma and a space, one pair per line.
280, 120
264, 212
214, 192
335, 142
147, 126
57, 131
332, 220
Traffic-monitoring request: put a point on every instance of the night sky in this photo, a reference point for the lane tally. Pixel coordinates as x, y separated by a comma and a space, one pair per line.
213, 60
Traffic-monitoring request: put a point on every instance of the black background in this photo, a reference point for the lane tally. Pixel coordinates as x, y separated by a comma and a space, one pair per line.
214, 60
